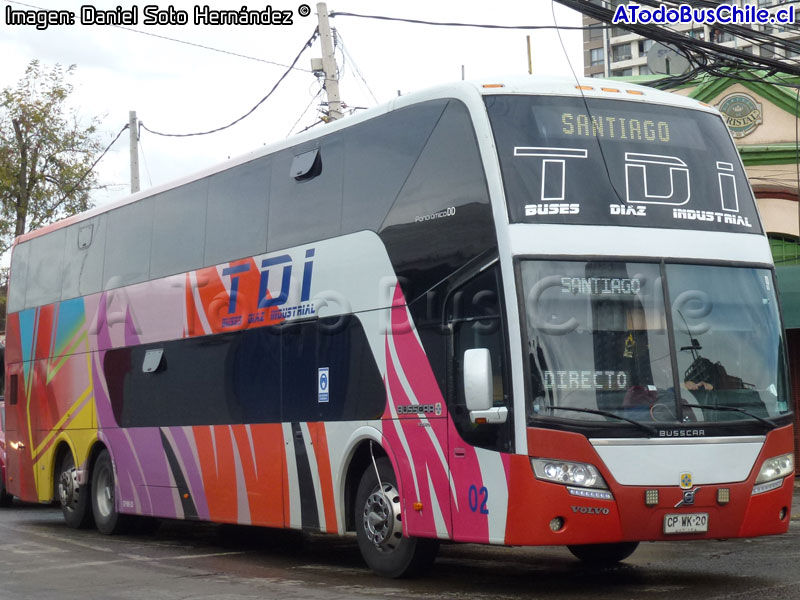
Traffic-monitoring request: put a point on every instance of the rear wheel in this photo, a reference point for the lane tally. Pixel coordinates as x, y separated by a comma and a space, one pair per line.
379, 527
72, 496
604, 554
104, 507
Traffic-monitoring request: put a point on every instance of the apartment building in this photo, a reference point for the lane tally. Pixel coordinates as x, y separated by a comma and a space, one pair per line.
615, 52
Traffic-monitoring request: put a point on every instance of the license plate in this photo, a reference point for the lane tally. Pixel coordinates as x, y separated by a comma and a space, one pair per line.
686, 523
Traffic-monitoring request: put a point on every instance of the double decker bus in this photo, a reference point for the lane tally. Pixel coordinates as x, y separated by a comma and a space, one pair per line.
524, 312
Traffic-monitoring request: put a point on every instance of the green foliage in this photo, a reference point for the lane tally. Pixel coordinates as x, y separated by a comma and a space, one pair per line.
46, 153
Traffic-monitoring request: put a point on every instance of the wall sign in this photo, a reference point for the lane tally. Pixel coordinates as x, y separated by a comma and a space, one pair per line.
742, 113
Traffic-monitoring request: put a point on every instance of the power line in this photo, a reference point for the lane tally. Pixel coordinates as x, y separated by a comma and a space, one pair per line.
94, 164
448, 24
305, 110
164, 37
144, 159
705, 56
249, 112
178, 41
347, 54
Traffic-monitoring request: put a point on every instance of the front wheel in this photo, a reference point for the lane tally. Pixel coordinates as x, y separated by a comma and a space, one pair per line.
379, 527
104, 507
72, 496
604, 554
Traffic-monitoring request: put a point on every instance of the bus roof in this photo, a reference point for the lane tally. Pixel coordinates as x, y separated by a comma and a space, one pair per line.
467, 91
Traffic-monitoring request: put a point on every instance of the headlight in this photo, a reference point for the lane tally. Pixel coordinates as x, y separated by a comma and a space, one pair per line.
776, 468
568, 473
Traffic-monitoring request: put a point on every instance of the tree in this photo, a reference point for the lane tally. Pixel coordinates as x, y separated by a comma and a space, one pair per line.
46, 153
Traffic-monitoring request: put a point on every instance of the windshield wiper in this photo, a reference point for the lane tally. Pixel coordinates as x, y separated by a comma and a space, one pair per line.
732, 409
604, 413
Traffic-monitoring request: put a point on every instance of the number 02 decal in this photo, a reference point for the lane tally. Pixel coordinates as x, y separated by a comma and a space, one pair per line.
478, 497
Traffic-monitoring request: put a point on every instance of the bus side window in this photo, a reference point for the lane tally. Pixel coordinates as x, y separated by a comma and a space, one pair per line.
474, 318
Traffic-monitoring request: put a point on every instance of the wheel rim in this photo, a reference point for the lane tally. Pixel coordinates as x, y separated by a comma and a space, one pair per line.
382, 521
68, 488
104, 491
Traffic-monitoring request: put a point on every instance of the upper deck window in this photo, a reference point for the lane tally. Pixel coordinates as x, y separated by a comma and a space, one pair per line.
612, 162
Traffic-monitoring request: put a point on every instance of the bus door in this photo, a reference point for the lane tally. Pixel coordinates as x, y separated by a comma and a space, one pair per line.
19, 469
474, 320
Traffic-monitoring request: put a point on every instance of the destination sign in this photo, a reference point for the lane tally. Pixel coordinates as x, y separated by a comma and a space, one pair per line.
595, 286
619, 128
622, 163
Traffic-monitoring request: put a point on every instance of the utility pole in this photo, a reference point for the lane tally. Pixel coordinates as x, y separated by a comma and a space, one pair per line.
133, 130
530, 60
329, 63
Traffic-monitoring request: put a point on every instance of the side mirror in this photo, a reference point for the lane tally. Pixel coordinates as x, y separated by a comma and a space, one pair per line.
479, 388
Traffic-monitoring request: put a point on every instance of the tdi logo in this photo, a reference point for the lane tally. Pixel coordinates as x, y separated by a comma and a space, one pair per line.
280, 265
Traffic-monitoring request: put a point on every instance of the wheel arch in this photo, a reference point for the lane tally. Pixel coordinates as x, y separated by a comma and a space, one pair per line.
358, 458
65, 444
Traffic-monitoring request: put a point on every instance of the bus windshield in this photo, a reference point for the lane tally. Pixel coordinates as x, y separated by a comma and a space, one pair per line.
600, 339
592, 161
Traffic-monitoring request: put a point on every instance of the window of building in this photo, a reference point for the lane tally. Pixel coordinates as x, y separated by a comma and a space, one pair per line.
595, 32
621, 52
596, 57
622, 72
644, 70
718, 36
785, 249
644, 46
698, 34
767, 51
618, 31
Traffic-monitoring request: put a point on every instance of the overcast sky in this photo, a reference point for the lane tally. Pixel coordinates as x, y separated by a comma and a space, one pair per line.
178, 88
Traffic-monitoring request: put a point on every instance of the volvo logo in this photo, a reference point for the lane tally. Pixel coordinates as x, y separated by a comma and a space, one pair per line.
688, 498
590, 510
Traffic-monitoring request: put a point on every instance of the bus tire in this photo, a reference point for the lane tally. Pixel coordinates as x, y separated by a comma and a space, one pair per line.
603, 554
104, 508
73, 498
5, 497
379, 527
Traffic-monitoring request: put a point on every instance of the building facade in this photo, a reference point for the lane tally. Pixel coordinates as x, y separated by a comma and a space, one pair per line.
611, 51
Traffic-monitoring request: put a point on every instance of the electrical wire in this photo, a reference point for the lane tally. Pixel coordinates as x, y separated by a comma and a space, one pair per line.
797, 140
249, 112
94, 164
346, 53
178, 41
703, 55
586, 105
228, 52
447, 24
144, 160
305, 110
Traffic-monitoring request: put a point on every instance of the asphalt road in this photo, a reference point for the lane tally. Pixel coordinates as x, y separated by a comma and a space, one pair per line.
41, 558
